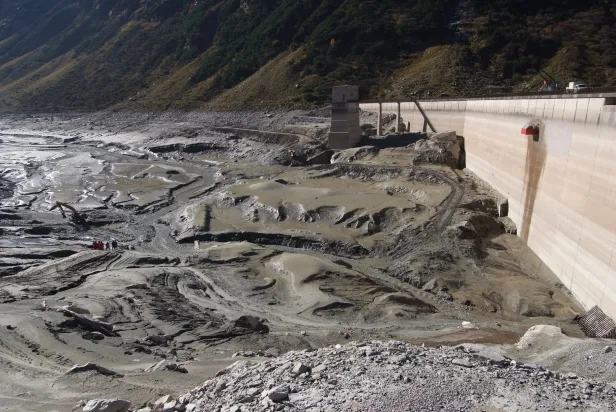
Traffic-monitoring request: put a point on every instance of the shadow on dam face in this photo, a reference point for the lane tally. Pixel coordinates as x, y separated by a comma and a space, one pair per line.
536, 153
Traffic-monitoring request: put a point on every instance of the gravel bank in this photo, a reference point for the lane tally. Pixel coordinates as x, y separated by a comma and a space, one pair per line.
391, 376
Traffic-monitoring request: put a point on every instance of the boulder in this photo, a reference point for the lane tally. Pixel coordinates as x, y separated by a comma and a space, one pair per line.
163, 400
320, 368
220, 386
279, 393
93, 336
251, 322
299, 368
465, 363
176, 368
541, 336
158, 339
106, 405
170, 406
439, 148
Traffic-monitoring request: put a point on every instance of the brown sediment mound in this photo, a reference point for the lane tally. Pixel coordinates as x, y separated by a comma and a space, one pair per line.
53, 277
349, 211
400, 305
439, 148
327, 289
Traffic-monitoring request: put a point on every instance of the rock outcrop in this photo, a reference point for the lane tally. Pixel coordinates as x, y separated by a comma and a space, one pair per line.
439, 148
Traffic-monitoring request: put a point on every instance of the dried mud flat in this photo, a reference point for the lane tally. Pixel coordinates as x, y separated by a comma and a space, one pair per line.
228, 244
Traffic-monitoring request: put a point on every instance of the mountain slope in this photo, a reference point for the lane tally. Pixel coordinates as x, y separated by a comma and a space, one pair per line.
91, 54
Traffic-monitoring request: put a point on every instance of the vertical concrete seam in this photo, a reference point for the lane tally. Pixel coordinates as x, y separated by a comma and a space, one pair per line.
584, 218
609, 264
609, 267
565, 174
543, 112
600, 113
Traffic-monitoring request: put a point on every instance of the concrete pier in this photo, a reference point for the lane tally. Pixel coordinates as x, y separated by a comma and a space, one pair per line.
345, 131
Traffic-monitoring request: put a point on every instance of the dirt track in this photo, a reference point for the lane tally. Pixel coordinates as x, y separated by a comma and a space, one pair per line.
374, 248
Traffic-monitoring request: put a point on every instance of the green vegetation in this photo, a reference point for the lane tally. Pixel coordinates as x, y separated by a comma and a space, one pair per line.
90, 54
520, 37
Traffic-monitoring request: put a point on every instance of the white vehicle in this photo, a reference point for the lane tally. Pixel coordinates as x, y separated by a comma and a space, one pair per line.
575, 87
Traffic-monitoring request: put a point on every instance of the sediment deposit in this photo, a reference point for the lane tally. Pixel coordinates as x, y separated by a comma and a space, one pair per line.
235, 235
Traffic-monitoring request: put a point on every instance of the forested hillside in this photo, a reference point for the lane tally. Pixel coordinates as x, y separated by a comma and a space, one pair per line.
91, 54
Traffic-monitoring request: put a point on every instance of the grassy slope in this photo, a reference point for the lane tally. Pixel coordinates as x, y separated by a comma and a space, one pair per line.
273, 85
223, 54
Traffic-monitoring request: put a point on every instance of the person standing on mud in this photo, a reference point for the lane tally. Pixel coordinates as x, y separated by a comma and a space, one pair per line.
107, 246
114, 244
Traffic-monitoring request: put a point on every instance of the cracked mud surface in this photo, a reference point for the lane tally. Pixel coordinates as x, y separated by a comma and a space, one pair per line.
213, 225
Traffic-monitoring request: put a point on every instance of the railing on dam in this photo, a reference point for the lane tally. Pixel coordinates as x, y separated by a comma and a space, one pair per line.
561, 93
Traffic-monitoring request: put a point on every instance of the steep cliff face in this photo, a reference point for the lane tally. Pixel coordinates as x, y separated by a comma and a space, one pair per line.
90, 54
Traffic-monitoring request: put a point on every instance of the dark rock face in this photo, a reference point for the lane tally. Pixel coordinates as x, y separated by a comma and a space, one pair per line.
9, 216
252, 323
39, 230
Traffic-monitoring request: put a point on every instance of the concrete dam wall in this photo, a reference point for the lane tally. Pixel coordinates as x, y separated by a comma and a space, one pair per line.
561, 188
